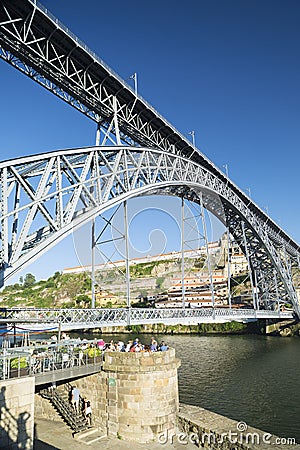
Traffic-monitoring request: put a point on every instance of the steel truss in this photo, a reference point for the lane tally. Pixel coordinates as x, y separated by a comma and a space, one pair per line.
38, 44
44, 197
70, 319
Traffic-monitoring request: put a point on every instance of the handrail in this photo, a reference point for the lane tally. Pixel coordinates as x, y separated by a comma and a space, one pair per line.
22, 361
75, 420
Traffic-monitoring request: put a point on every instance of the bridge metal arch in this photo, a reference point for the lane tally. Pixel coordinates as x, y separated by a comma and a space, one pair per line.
40, 46
45, 197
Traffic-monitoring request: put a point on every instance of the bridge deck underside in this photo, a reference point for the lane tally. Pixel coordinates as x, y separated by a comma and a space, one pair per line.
66, 374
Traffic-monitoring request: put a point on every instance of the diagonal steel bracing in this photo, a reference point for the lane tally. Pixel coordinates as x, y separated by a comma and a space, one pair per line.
44, 197
70, 319
38, 44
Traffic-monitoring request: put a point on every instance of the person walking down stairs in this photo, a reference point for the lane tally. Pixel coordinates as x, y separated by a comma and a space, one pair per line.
88, 412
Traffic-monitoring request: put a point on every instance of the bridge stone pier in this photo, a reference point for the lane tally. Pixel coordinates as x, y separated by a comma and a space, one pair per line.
142, 394
134, 396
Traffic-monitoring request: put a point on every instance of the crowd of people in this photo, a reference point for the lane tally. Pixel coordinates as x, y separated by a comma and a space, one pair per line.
119, 346
131, 346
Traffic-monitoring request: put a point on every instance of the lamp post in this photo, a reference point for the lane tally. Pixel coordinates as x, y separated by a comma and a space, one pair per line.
192, 133
134, 78
226, 169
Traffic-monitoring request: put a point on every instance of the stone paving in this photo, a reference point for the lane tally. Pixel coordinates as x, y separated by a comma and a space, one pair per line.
52, 435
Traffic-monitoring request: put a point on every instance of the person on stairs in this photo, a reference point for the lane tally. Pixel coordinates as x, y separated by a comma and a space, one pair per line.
88, 412
75, 398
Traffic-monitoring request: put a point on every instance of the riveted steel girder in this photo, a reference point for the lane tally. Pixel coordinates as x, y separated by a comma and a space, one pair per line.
72, 319
38, 44
44, 197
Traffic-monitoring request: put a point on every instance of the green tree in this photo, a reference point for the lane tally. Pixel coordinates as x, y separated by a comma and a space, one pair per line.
29, 280
83, 301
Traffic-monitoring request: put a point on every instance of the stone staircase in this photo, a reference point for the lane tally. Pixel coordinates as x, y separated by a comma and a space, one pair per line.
60, 401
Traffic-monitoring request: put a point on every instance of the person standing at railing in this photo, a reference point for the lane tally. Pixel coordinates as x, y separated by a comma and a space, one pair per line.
163, 347
153, 346
101, 344
80, 358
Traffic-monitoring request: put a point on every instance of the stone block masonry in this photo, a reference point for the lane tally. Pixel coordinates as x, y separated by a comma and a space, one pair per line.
134, 397
91, 387
212, 431
142, 396
17, 413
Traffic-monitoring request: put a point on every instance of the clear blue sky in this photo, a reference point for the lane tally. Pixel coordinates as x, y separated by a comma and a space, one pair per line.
229, 70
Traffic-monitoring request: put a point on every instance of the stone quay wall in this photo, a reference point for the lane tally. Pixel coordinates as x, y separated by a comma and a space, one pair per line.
17, 413
91, 387
212, 431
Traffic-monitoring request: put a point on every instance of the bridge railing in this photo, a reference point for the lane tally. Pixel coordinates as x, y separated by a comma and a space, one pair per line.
126, 316
14, 364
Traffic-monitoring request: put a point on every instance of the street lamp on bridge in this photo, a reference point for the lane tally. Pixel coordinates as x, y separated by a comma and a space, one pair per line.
192, 133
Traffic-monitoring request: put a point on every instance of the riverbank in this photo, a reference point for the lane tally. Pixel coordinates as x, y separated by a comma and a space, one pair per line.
227, 328
196, 426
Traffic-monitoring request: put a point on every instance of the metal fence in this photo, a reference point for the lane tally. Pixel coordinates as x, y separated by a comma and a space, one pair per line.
68, 319
33, 360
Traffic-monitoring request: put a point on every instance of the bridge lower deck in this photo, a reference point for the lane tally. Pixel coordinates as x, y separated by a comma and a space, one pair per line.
53, 320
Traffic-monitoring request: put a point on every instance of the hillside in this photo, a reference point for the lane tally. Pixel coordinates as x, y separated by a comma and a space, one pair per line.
74, 289
58, 291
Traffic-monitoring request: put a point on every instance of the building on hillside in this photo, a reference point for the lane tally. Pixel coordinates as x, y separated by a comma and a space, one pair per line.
191, 254
238, 264
104, 298
199, 282
238, 261
197, 292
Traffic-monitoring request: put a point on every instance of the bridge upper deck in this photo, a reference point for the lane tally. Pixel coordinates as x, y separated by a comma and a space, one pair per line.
38, 44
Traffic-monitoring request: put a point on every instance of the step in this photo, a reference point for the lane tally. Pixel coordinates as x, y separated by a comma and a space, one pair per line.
90, 436
76, 421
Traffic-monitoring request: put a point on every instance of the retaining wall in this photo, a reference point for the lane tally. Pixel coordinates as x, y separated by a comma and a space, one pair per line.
17, 413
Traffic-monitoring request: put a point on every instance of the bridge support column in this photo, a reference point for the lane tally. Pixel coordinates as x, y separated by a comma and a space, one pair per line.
207, 252
142, 396
93, 239
182, 255
127, 274
228, 269
249, 264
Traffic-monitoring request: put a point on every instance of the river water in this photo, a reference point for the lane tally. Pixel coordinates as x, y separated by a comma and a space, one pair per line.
250, 378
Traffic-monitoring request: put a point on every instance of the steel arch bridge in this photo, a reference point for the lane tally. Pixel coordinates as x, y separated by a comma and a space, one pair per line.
44, 197
59, 191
